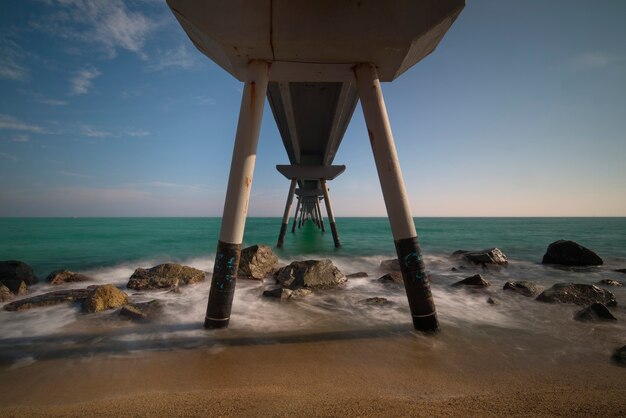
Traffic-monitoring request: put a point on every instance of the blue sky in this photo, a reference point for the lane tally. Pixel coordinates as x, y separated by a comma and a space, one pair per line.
107, 109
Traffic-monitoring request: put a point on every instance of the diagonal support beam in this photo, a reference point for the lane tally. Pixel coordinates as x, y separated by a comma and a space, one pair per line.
416, 280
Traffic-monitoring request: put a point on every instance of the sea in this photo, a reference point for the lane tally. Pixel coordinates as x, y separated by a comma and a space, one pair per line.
110, 249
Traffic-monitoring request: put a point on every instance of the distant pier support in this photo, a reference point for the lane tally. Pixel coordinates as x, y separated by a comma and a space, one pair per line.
295, 216
319, 214
415, 278
312, 179
283, 227
237, 195
329, 212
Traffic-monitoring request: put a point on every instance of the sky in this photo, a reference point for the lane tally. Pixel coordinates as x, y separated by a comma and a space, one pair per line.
107, 109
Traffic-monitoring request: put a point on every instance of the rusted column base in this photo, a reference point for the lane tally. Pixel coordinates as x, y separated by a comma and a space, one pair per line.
417, 285
222, 285
281, 236
333, 228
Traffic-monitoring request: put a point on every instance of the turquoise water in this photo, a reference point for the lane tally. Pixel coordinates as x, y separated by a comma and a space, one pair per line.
109, 250
87, 243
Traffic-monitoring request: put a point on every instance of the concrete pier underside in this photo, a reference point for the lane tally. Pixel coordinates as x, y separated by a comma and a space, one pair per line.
314, 61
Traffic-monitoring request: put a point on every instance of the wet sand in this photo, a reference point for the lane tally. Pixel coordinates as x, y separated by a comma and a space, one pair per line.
390, 374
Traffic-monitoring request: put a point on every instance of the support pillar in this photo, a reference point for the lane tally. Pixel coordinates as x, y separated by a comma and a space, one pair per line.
319, 214
416, 281
331, 216
295, 217
237, 195
283, 226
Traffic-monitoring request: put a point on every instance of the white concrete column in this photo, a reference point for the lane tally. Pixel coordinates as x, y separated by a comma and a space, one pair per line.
295, 216
237, 195
329, 212
283, 226
415, 277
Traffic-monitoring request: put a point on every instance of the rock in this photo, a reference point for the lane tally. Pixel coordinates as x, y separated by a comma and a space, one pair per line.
65, 276
357, 275
595, 312
621, 271
142, 312
377, 301
578, 294
474, 281
284, 294
570, 253
619, 356
300, 293
104, 297
523, 287
49, 299
277, 293
5, 293
390, 265
610, 282
493, 301
257, 262
393, 277
315, 274
164, 276
17, 287
484, 257
17, 271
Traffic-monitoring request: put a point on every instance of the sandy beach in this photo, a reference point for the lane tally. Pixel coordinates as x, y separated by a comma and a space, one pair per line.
396, 373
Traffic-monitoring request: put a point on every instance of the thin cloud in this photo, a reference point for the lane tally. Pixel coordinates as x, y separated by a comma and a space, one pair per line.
597, 60
204, 101
92, 132
137, 133
72, 174
11, 67
109, 24
20, 138
51, 102
9, 157
179, 58
82, 81
11, 123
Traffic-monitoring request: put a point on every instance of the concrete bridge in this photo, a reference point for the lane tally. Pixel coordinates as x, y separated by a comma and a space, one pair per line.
314, 60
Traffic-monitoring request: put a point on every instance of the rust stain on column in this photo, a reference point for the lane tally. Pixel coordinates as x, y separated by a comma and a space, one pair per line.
371, 135
252, 96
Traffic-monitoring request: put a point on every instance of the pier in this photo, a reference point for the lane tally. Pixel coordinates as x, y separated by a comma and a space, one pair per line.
314, 61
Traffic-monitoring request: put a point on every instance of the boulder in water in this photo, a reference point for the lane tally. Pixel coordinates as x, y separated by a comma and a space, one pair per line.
377, 301
104, 297
66, 276
257, 262
357, 275
621, 271
164, 276
16, 271
570, 253
49, 299
619, 356
390, 265
284, 294
610, 282
523, 287
492, 256
142, 312
595, 312
393, 277
473, 281
493, 301
17, 287
314, 274
578, 294
5, 293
